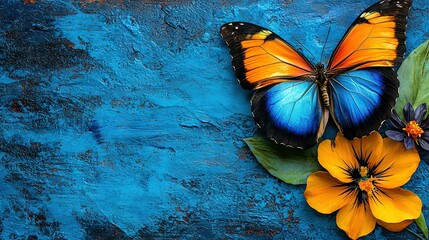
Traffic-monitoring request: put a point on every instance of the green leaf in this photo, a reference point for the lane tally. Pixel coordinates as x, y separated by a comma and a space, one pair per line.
289, 165
413, 76
421, 223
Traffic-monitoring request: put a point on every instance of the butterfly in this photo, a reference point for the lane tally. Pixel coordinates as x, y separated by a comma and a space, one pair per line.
294, 99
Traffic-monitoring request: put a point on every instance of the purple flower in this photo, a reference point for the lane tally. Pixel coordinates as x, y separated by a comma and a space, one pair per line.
414, 130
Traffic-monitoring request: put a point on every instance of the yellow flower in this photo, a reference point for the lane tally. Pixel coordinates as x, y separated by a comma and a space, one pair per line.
363, 182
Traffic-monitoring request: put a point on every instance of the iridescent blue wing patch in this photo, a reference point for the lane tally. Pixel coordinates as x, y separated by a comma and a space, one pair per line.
290, 113
362, 99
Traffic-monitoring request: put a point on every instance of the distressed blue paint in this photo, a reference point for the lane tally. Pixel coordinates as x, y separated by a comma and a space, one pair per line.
124, 120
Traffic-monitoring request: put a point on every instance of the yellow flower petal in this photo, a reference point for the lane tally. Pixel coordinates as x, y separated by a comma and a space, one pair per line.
368, 148
396, 164
395, 227
337, 158
326, 194
395, 205
356, 220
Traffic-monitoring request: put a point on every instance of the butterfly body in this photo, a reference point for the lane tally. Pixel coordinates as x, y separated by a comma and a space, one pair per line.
322, 82
294, 99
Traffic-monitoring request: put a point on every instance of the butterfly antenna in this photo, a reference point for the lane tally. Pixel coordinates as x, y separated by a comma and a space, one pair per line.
324, 45
302, 45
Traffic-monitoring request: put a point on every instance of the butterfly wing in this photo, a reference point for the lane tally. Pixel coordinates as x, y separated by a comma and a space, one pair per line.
363, 86
291, 113
286, 104
362, 99
260, 57
375, 39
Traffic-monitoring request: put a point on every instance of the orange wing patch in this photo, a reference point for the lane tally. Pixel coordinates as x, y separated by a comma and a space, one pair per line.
375, 39
373, 42
261, 58
271, 59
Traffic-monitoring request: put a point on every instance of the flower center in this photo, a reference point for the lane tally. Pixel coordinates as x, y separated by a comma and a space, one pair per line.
363, 171
367, 186
413, 129
366, 183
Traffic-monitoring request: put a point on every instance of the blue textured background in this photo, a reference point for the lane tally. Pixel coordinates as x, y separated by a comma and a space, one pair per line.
123, 119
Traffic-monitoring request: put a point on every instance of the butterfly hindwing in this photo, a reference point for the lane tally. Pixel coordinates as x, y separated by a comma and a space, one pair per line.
362, 99
290, 113
375, 39
260, 57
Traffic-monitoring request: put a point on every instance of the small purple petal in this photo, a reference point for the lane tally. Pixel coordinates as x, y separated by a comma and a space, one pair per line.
409, 143
425, 136
408, 112
425, 123
396, 121
420, 112
394, 135
424, 144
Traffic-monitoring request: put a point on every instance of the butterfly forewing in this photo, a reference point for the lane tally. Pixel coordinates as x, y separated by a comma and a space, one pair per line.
260, 57
375, 39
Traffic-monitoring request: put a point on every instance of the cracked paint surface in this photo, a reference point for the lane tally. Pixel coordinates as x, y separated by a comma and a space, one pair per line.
122, 120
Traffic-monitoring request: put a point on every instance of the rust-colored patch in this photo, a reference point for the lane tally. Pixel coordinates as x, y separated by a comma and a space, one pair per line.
26, 193
244, 153
116, 102
49, 54
124, 4
113, 2
254, 231
251, 229
187, 217
287, 2
86, 3
29, 1
16, 107
21, 151
291, 218
108, 163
